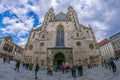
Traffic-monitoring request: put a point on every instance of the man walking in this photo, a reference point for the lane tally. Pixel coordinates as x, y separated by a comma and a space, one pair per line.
113, 65
36, 70
80, 70
51, 70
74, 69
17, 65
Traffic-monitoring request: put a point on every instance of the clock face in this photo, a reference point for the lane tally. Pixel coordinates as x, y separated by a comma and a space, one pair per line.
41, 44
91, 46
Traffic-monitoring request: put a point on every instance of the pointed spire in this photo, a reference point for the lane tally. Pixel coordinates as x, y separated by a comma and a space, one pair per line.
70, 7
51, 9
90, 26
32, 28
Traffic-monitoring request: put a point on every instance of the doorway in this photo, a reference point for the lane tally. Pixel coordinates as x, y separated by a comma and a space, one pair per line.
59, 59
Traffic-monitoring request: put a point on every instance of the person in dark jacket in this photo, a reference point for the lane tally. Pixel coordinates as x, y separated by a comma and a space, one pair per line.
17, 65
4, 59
73, 70
113, 65
27, 65
30, 66
80, 70
36, 70
48, 70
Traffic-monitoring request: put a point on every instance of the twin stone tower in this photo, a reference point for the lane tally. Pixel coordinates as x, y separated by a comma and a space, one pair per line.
61, 40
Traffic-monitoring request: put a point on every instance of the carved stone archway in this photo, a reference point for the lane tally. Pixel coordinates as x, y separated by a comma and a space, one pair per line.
59, 59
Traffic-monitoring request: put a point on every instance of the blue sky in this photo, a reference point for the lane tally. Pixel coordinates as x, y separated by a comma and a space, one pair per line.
17, 17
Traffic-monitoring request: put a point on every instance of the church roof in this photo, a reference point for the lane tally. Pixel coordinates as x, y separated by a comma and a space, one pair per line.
61, 16
103, 42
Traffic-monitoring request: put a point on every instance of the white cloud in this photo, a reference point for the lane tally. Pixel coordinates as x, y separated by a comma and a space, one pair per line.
109, 15
22, 42
2, 8
15, 27
100, 30
90, 14
99, 25
53, 3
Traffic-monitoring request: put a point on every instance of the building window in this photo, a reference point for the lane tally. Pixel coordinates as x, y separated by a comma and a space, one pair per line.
77, 34
60, 36
42, 62
119, 43
33, 35
78, 43
41, 44
87, 33
30, 47
75, 25
43, 36
91, 46
36, 60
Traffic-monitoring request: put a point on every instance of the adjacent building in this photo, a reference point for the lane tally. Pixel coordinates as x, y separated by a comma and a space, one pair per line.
115, 40
61, 39
18, 52
106, 49
9, 49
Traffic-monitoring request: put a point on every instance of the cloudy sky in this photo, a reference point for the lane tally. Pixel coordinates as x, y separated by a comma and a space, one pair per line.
17, 17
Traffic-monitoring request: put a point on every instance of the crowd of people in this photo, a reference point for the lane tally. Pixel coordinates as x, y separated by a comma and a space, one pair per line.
110, 64
75, 70
6, 59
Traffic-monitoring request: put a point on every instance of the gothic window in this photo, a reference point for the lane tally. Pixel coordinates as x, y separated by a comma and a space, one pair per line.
50, 19
75, 25
87, 33
33, 35
77, 34
43, 36
30, 47
60, 36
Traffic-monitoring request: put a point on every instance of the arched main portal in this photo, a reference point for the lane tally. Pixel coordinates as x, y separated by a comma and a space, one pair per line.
59, 59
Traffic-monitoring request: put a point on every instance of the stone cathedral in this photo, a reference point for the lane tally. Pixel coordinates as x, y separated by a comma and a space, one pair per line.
61, 39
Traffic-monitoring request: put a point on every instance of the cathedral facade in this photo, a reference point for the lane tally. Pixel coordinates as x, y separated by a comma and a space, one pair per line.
61, 40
